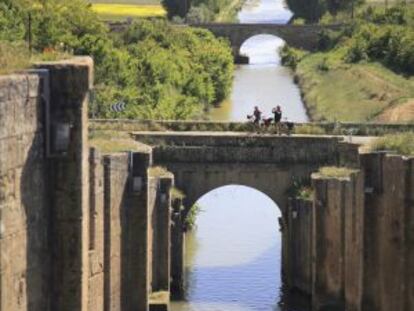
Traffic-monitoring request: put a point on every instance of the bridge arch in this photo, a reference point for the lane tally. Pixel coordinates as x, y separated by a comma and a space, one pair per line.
197, 179
261, 49
250, 187
299, 36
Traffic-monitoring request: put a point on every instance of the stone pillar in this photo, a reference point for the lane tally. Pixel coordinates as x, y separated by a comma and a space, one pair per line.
409, 247
299, 244
138, 221
70, 83
337, 231
177, 251
386, 207
164, 234
354, 241
328, 245
159, 206
96, 232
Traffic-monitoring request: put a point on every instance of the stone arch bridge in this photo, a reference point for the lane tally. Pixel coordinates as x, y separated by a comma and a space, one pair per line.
299, 36
202, 162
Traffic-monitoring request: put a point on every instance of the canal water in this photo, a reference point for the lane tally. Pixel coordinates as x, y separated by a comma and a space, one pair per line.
264, 82
234, 255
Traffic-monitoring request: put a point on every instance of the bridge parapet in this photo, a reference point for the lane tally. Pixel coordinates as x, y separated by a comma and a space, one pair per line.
240, 148
328, 128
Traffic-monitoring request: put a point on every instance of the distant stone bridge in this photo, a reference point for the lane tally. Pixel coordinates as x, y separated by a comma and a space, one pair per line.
299, 36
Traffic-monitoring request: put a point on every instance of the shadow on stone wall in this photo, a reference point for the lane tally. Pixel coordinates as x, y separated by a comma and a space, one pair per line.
36, 208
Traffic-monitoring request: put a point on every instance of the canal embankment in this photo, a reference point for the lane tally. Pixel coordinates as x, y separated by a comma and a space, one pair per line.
332, 90
361, 73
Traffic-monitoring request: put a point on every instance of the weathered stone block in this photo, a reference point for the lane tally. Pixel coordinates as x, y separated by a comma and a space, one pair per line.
28, 114
7, 187
7, 128
96, 290
8, 146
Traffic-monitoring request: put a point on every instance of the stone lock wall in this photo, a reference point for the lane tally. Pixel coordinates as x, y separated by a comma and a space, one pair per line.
389, 233
337, 242
24, 228
74, 224
43, 176
361, 238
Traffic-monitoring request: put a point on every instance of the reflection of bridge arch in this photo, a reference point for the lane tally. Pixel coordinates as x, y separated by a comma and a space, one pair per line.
299, 36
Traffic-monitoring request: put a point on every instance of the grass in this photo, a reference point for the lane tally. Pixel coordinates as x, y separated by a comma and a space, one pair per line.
177, 194
13, 58
309, 130
397, 143
112, 141
115, 11
159, 298
334, 91
335, 172
158, 171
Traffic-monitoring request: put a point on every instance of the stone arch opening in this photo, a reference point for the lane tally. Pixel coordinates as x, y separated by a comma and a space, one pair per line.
261, 49
237, 240
271, 193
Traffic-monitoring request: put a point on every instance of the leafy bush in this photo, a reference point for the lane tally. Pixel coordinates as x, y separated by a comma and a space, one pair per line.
301, 189
390, 44
395, 15
179, 71
200, 11
290, 57
191, 218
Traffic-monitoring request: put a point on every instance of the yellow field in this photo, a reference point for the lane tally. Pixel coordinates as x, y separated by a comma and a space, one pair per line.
128, 10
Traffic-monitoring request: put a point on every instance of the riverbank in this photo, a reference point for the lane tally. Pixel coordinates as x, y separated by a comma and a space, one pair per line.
364, 72
335, 91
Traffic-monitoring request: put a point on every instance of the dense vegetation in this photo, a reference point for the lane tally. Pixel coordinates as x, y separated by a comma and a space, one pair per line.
201, 11
158, 70
367, 67
313, 10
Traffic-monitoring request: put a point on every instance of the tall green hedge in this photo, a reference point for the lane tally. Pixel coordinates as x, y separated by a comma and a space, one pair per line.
158, 70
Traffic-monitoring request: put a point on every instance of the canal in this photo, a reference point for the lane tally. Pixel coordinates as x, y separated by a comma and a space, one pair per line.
234, 255
263, 82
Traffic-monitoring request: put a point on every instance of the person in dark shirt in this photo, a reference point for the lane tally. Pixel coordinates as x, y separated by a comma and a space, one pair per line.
257, 114
277, 112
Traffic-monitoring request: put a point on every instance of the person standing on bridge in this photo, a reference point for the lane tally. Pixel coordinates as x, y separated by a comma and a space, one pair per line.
277, 112
257, 114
